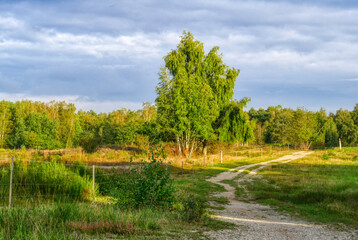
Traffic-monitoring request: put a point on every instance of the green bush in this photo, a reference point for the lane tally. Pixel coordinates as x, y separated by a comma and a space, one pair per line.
149, 184
190, 208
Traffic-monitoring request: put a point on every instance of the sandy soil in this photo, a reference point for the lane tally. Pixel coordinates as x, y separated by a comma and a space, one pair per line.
255, 221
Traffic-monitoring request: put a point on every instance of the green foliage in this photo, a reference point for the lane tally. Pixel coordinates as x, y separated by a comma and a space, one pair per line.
147, 185
17, 138
5, 122
193, 88
190, 208
347, 130
89, 142
325, 156
331, 134
233, 124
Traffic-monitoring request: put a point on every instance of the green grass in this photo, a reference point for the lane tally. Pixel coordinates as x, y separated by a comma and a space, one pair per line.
321, 187
44, 181
46, 219
87, 221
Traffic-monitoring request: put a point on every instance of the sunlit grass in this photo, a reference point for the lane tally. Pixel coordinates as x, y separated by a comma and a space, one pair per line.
317, 187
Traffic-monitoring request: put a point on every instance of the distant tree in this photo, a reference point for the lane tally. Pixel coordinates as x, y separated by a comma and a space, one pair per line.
89, 142
149, 112
355, 115
6, 124
304, 128
279, 127
259, 118
40, 131
347, 130
17, 137
233, 124
330, 133
193, 88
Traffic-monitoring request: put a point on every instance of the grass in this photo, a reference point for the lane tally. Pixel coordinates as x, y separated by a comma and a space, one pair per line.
44, 180
46, 219
321, 187
87, 221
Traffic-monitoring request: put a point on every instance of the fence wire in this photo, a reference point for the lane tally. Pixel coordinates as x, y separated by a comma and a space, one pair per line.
50, 180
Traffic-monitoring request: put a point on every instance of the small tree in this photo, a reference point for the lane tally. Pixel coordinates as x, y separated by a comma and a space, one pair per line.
89, 142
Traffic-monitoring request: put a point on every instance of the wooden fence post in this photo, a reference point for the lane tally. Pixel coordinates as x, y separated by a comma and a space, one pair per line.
193, 169
221, 156
11, 176
93, 183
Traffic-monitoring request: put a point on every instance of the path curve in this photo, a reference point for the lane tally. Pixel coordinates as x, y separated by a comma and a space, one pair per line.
255, 221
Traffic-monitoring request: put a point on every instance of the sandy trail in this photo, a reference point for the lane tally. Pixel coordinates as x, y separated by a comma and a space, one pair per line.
259, 222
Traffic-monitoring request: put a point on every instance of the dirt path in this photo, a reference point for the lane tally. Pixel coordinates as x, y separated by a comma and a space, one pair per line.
255, 221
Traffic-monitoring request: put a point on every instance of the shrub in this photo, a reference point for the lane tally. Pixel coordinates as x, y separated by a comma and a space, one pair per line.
190, 208
147, 185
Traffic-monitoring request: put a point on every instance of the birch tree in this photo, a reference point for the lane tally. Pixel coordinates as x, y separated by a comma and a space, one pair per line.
193, 88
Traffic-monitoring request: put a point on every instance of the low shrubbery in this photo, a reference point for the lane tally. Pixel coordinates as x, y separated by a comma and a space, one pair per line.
146, 184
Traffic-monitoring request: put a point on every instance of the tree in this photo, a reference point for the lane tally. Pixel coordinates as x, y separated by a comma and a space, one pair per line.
355, 115
330, 133
304, 128
193, 89
234, 124
278, 128
5, 122
347, 130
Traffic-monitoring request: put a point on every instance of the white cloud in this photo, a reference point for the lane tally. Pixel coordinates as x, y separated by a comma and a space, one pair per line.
124, 42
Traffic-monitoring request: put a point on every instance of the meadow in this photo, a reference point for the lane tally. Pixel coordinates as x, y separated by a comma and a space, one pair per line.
47, 216
322, 187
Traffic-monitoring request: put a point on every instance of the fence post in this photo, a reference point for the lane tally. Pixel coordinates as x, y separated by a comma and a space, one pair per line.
11, 176
193, 169
93, 182
221, 156
261, 152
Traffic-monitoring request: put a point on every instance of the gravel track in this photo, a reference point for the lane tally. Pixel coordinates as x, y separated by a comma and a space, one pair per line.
258, 222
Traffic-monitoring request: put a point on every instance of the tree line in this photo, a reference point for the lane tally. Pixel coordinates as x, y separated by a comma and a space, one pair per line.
194, 107
303, 128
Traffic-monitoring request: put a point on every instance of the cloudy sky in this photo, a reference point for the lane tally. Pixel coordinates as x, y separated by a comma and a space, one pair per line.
104, 55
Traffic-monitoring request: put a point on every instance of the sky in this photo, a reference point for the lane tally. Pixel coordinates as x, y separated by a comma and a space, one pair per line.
106, 55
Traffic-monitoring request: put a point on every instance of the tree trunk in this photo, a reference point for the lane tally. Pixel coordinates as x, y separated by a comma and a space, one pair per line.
192, 147
179, 148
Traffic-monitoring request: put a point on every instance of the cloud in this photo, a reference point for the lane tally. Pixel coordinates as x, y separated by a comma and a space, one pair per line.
111, 51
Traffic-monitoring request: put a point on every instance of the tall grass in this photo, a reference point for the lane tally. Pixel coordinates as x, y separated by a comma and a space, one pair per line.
45, 180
